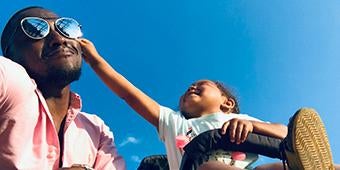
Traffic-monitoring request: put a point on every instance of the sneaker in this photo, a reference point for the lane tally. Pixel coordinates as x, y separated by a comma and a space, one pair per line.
306, 146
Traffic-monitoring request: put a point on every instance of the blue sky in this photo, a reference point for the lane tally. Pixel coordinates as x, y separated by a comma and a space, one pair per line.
276, 55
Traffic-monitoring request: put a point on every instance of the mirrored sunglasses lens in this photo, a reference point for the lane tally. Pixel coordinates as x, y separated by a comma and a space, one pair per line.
35, 28
69, 27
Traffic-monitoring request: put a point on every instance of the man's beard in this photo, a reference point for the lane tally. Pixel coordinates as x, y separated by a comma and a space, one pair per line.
56, 77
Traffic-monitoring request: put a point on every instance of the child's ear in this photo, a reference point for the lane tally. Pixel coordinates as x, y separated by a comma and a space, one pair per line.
228, 104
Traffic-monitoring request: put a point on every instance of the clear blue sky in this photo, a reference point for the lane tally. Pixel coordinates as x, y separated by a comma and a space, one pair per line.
277, 55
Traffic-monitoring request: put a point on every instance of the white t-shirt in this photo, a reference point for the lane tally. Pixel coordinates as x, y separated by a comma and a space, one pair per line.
173, 123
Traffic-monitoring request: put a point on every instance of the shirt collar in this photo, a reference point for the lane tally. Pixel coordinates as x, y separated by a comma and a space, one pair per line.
74, 108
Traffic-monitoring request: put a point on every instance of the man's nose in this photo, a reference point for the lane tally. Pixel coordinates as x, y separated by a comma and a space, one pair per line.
55, 38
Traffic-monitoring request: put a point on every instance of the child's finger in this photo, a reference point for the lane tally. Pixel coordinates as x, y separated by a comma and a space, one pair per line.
244, 135
239, 130
80, 40
83, 41
225, 127
232, 131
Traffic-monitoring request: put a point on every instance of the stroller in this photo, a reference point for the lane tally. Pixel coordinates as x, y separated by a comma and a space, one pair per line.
212, 145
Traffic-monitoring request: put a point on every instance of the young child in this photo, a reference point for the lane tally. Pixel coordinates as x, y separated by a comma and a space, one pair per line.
205, 105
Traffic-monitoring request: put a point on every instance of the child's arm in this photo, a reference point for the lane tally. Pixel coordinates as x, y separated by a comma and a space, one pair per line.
239, 129
140, 102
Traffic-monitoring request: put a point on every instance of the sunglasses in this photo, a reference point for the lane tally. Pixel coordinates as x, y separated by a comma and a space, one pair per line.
38, 28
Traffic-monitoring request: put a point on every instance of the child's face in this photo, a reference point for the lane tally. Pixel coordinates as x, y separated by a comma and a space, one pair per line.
202, 97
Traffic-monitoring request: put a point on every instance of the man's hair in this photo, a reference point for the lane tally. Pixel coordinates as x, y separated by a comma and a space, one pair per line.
13, 23
226, 92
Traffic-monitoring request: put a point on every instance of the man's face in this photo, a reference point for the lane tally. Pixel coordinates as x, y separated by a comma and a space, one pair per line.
53, 59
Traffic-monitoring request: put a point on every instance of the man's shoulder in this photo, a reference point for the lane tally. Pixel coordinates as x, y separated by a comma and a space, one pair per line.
11, 66
13, 76
84, 116
4, 60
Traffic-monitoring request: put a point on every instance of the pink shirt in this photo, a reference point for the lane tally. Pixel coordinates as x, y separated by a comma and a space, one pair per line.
28, 138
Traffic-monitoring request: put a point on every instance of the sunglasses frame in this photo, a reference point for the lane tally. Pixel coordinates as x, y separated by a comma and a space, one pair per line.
49, 27
35, 38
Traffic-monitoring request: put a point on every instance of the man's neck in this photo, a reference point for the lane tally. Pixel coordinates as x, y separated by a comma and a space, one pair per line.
58, 102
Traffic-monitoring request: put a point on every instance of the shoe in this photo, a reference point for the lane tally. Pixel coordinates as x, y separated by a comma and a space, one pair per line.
306, 146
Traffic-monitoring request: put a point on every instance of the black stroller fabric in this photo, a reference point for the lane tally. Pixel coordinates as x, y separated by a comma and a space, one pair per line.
196, 151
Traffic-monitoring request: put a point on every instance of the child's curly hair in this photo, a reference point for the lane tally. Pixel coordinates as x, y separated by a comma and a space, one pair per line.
225, 91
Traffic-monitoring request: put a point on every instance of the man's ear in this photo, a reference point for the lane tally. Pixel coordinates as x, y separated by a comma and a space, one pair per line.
228, 104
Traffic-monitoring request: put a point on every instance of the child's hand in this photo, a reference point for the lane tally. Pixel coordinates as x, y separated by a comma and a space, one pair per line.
238, 129
89, 52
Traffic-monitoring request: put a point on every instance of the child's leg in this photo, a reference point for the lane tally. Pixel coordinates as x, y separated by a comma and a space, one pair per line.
306, 145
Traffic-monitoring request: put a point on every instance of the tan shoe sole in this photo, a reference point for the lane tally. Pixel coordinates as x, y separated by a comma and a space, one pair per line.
310, 142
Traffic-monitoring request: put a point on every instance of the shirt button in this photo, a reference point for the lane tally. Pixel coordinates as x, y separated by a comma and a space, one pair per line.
52, 155
52, 152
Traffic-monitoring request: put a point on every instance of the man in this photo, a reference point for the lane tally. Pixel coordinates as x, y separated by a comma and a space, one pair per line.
41, 123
